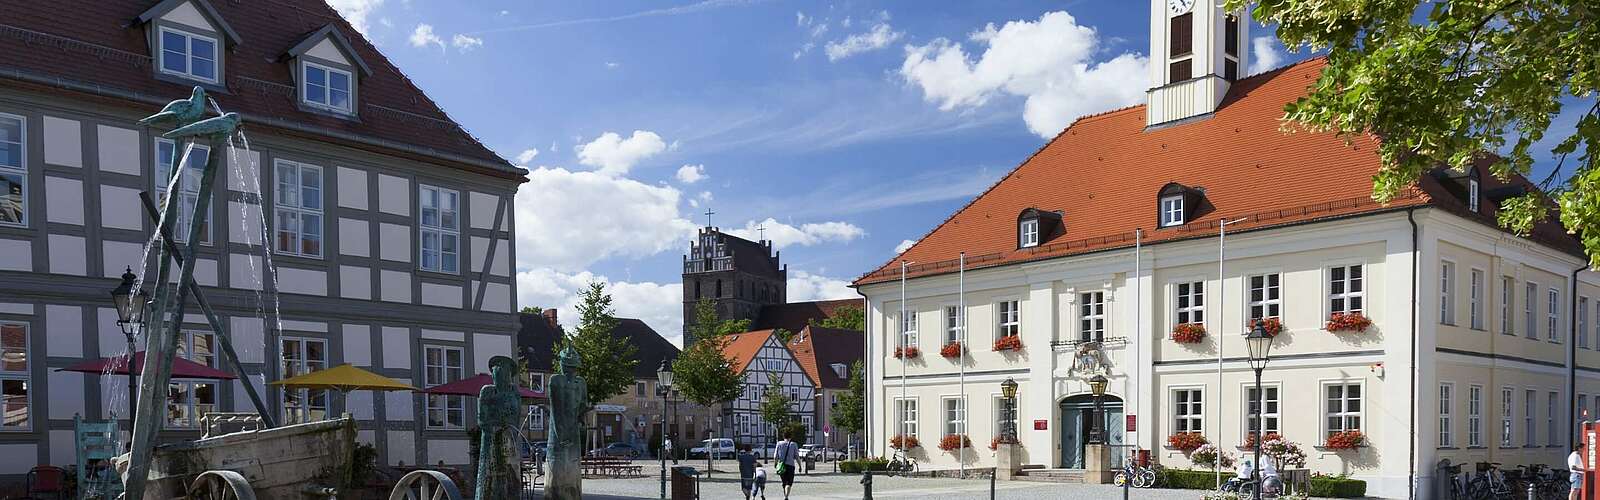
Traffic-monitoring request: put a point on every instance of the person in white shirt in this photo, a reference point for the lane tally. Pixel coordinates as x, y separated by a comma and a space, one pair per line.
787, 456
1575, 470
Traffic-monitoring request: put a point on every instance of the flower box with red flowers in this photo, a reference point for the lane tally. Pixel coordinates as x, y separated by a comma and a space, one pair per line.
951, 350
1347, 322
1188, 333
903, 442
1186, 441
1273, 326
1250, 439
953, 442
994, 444
1346, 440
1008, 343
907, 352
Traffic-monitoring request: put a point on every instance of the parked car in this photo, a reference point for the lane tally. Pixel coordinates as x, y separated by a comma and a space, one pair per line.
617, 450
718, 447
821, 452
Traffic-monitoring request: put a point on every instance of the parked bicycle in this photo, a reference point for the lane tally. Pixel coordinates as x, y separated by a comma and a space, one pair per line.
1486, 483
1546, 483
902, 466
1142, 477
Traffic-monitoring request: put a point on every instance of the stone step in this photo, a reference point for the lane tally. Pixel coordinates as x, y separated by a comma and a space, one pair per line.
1051, 475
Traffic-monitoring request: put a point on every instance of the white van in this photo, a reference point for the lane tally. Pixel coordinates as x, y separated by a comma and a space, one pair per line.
718, 447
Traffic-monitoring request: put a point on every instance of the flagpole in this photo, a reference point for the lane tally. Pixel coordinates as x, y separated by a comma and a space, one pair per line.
961, 356
1222, 239
902, 341
1131, 389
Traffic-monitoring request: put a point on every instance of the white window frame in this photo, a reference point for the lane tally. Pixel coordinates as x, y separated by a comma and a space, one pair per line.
1475, 416
1344, 414
298, 210
908, 329
25, 375
21, 170
1346, 290
1092, 316
1188, 415
955, 419
1476, 279
1530, 307
308, 398
1008, 318
908, 411
953, 332
1271, 411
446, 405
1508, 415
1550, 420
1597, 326
189, 388
438, 230
1583, 323
1553, 315
1447, 306
188, 54
1447, 392
189, 195
1508, 287
1530, 398
1472, 195
1028, 233
327, 87
1172, 211
536, 417
536, 381
1189, 302
1271, 302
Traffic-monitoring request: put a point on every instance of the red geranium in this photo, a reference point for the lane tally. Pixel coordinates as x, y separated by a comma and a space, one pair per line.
1250, 438
953, 442
1273, 326
903, 442
1188, 333
1347, 322
907, 352
951, 350
1186, 441
1008, 343
1345, 440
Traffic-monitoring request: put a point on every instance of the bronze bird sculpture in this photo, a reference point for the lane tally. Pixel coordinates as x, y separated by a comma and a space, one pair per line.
221, 125
180, 111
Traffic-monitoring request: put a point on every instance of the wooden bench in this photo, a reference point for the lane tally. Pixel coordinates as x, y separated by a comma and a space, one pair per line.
609, 467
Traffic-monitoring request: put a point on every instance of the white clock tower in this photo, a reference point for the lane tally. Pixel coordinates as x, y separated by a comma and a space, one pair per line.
1196, 51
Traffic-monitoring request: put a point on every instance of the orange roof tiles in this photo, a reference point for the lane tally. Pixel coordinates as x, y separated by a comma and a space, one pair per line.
741, 348
1104, 171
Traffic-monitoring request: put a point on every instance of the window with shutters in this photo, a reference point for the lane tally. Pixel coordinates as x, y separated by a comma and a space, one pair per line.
1230, 47
1181, 51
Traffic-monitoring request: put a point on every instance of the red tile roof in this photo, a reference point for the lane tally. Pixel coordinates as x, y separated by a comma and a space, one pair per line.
96, 50
794, 316
1104, 171
816, 348
742, 348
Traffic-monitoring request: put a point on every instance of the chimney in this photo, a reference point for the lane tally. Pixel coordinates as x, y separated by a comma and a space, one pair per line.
550, 317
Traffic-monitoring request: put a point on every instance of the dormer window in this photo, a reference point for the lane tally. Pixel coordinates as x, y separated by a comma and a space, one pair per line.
1028, 233
188, 55
326, 87
1172, 210
1472, 194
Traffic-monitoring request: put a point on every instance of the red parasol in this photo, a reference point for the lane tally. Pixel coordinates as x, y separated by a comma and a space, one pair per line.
471, 385
118, 365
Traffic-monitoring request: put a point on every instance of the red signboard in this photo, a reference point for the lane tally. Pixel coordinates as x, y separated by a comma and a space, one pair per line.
1133, 423
1040, 425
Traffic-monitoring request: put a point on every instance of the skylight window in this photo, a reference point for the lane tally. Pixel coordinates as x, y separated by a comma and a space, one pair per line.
188, 55
1172, 211
326, 87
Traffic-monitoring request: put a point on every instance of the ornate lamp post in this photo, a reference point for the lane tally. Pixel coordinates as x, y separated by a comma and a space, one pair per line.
664, 380
130, 318
1008, 389
1097, 428
1260, 345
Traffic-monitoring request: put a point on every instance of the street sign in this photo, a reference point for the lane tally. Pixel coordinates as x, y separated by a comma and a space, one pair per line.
1041, 425
1133, 423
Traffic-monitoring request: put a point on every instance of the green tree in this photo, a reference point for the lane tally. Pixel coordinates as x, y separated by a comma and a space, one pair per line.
844, 318
703, 373
608, 360
775, 403
783, 335
850, 415
1443, 83
731, 326
532, 310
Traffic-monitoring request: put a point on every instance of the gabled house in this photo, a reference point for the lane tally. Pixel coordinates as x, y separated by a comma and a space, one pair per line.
826, 355
759, 356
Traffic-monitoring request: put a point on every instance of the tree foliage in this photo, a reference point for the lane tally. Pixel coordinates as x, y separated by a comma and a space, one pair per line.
775, 403
608, 360
783, 335
844, 318
1444, 82
850, 415
532, 310
730, 326
703, 373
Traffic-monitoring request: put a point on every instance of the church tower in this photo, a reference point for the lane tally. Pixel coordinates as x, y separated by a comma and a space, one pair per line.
1196, 51
739, 276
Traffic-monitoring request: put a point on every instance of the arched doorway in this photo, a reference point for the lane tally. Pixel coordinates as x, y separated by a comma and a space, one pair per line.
1076, 423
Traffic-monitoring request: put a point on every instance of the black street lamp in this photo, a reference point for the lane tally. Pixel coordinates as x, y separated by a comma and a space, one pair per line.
1259, 343
664, 381
130, 318
1097, 428
1008, 389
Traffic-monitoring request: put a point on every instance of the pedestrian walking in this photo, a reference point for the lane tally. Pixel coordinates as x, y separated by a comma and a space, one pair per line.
747, 470
759, 489
666, 445
787, 456
1576, 470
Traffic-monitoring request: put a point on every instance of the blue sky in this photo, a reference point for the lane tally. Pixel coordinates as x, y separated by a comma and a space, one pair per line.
852, 126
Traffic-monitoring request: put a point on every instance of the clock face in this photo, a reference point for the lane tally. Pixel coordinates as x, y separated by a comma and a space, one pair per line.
1179, 6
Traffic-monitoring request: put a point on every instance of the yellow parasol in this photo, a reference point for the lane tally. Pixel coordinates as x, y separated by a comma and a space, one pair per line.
344, 378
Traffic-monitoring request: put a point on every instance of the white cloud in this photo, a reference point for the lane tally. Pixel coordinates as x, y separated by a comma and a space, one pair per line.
465, 43
614, 155
356, 11
800, 19
659, 305
690, 174
1264, 54
804, 286
561, 227
527, 155
903, 246
613, 65
880, 36
784, 235
423, 36
804, 49
1049, 62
